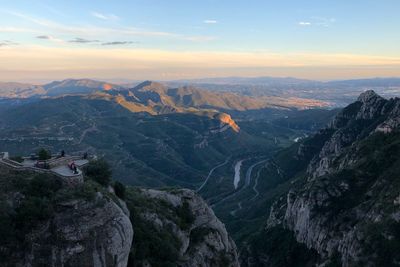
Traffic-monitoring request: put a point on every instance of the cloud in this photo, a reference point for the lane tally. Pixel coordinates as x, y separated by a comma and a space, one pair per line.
50, 38
7, 43
83, 41
304, 23
318, 21
21, 57
45, 37
119, 43
210, 21
98, 32
19, 62
14, 29
92, 30
325, 22
200, 38
104, 16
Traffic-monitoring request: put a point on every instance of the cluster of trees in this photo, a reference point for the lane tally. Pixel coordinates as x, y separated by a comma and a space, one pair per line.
44, 154
100, 171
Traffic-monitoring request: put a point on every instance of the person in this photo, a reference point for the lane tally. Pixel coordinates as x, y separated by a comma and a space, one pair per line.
62, 153
75, 169
85, 155
71, 165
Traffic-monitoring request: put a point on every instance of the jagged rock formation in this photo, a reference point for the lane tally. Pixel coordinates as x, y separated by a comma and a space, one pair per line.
45, 223
84, 233
343, 203
197, 237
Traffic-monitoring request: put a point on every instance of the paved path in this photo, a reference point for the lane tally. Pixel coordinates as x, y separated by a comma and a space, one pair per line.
211, 172
64, 126
65, 171
81, 162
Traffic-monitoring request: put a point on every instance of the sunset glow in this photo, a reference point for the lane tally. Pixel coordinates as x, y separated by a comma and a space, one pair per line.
183, 40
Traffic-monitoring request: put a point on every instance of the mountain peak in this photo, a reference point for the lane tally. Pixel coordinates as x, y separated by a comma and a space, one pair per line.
369, 96
150, 84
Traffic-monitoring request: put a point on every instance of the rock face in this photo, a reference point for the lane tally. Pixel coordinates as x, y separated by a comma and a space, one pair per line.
202, 238
83, 233
43, 222
346, 205
227, 119
46, 223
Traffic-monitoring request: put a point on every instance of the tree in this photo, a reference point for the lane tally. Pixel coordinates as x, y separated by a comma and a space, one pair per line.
43, 154
119, 189
99, 171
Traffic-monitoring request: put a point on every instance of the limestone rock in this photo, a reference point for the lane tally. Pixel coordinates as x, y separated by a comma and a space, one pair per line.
205, 242
83, 233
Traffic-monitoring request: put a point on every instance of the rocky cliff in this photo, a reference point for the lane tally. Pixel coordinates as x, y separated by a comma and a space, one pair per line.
83, 233
178, 228
343, 200
44, 222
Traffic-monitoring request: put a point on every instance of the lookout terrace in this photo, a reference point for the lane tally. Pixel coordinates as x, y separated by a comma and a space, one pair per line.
66, 167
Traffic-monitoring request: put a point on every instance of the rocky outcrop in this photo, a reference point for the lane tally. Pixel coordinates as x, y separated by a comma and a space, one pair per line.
83, 233
369, 113
43, 222
226, 119
344, 207
203, 239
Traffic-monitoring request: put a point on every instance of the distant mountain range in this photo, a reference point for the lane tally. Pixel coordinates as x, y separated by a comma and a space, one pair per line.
56, 88
337, 93
247, 80
156, 98
394, 81
252, 93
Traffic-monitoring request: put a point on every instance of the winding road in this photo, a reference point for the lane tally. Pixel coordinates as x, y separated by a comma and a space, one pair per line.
211, 172
246, 184
61, 130
255, 186
83, 135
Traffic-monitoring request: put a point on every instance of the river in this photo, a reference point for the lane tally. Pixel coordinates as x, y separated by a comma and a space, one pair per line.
236, 178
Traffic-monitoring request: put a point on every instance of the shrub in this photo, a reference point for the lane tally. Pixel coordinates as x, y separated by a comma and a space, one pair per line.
43, 186
119, 189
198, 234
158, 246
185, 215
43, 154
7, 233
282, 248
99, 171
31, 211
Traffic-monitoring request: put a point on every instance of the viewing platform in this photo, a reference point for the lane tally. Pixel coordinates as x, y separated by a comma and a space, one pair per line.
61, 166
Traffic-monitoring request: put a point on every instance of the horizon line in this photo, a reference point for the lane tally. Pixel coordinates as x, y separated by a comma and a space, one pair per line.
119, 81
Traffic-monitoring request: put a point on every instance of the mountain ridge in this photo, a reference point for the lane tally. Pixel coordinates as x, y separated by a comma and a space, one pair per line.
342, 202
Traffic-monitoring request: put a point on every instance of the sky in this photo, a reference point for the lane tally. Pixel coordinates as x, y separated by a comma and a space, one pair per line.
119, 40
